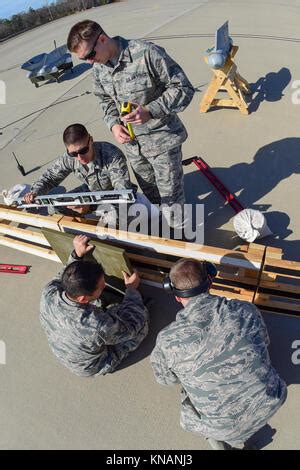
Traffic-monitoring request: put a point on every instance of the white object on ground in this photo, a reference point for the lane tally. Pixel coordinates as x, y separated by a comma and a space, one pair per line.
12, 194
250, 224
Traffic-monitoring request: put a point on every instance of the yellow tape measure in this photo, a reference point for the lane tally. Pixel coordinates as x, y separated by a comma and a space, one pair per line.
126, 109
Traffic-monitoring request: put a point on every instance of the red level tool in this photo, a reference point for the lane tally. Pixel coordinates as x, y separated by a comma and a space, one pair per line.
13, 268
206, 170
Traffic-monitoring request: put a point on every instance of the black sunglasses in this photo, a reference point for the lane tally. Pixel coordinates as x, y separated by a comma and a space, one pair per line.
82, 151
91, 54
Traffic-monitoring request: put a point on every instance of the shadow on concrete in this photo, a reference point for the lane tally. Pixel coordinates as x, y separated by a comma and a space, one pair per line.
249, 181
283, 331
269, 88
262, 438
75, 72
199, 88
278, 222
68, 74
36, 168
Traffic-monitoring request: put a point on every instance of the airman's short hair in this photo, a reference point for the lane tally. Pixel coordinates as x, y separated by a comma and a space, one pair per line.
86, 30
81, 278
74, 134
188, 273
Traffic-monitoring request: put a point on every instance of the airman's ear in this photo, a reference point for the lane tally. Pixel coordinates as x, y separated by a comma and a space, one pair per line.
178, 299
103, 38
82, 299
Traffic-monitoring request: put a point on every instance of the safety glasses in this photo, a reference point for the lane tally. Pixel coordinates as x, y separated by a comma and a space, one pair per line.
81, 151
91, 54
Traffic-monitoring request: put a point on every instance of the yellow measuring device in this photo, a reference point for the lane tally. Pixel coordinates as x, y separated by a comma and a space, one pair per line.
126, 109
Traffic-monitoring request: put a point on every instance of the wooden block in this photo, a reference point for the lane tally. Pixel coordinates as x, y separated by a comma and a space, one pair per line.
273, 252
223, 102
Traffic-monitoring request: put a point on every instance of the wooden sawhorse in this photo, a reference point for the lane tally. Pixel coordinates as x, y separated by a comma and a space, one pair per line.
227, 79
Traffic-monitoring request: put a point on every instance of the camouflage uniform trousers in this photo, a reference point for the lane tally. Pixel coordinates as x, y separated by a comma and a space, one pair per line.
161, 180
189, 416
120, 351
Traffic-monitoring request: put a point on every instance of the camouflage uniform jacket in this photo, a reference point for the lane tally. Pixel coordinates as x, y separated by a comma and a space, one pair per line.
146, 75
217, 350
84, 337
107, 171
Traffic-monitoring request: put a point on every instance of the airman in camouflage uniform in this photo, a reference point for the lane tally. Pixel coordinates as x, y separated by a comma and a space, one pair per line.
217, 350
85, 337
99, 166
144, 74
108, 170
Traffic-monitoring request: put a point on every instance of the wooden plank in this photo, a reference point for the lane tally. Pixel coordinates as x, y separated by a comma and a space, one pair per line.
281, 287
278, 266
22, 217
156, 244
151, 276
228, 103
274, 252
24, 234
253, 249
176, 248
265, 300
243, 84
232, 293
215, 83
224, 258
150, 260
256, 247
239, 102
237, 279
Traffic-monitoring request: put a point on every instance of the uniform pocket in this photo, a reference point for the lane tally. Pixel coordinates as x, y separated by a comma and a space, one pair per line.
140, 90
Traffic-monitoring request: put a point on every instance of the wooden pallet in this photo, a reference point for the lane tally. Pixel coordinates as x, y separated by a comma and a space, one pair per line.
229, 80
254, 273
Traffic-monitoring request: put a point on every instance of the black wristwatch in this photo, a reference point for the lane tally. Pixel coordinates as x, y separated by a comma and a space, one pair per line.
75, 255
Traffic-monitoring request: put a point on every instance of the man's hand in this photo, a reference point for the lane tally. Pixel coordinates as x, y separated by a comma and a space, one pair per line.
29, 197
131, 281
81, 245
80, 209
140, 115
121, 134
